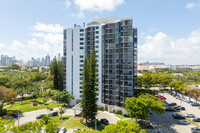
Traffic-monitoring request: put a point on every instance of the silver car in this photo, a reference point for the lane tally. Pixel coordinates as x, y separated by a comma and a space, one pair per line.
190, 115
184, 122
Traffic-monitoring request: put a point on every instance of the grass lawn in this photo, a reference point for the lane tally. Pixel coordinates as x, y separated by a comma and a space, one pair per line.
26, 106
74, 123
121, 116
129, 121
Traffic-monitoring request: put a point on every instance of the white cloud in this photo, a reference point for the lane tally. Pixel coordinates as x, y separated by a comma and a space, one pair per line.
164, 48
46, 39
79, 15
98, 5
191, 5
67, 3
57, 28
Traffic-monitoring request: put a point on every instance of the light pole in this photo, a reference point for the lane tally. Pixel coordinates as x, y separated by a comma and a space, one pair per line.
18, 117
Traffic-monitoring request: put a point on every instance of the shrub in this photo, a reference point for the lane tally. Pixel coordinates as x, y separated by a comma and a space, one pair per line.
35, 103
3, 112
118, 112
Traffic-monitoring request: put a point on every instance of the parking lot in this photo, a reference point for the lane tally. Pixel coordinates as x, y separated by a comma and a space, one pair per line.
167, 123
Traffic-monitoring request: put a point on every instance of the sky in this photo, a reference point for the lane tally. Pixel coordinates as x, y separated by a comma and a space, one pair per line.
168, 30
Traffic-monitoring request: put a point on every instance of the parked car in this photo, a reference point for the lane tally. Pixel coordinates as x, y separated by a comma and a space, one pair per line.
184, 122
162, 97
195, 104
195, 130
40, 116
190, 115
180, 108
176, 106
178, 116
172, 104
15, 115
104, 121
54, 114
196, 119
76, 130
190, 102
170, 109
63, 130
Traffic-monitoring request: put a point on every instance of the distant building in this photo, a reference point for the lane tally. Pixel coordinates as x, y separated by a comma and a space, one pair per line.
47, 60
34, 62
151, 63
6, 60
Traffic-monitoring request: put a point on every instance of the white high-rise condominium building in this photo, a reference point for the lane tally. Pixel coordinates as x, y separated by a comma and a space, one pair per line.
115, 43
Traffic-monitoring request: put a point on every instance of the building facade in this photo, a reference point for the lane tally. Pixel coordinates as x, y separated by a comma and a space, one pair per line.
115, 43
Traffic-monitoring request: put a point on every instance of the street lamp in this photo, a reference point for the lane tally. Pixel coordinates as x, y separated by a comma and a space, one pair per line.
18, 117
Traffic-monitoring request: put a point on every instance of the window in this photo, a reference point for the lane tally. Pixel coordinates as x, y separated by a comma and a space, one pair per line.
81, 30
81, 43
81, 56
81, 47
97, 46
81, 34
97, 32
81, 78
97, 41
81, 65
97, 37
81, 39
97, 27
81, 60
80, 87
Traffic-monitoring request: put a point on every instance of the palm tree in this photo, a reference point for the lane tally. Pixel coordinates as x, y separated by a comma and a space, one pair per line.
61, 111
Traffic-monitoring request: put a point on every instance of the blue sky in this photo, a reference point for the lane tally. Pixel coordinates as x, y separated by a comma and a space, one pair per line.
169, 30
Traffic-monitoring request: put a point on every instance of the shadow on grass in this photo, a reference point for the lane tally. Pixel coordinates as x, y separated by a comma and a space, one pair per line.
92, 125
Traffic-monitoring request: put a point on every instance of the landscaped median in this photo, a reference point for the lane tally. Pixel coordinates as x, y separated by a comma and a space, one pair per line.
27, 106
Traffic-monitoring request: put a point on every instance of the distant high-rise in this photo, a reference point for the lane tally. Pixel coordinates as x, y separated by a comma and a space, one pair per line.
6, 61
115, 43
47, 60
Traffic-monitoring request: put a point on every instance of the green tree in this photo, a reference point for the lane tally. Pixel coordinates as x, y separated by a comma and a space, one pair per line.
21, 86
3, 81
165, 80
51, 127
139, 81
123, 127
140, 107
178, 86
56, 69
61, 111
90, 83
46, 119
5, 125
147, 80
14, 67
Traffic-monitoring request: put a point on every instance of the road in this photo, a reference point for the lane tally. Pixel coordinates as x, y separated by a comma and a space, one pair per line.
31, 116
109, 116
170, 125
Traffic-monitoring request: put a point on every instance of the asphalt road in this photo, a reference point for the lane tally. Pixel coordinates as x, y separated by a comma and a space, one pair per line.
170, 125
31, 116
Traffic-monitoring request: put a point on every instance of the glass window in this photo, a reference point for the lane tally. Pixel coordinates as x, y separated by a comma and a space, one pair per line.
97, 41
81, 47
81, 30
81, 39
81, 56
81, 43
97, 37
81, 65
97, 27
97, 32
81, 34
81, 60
